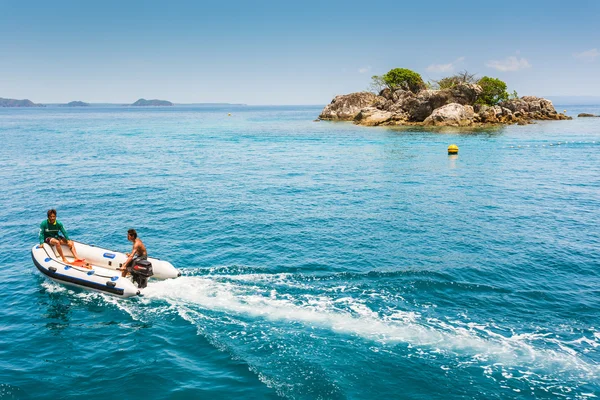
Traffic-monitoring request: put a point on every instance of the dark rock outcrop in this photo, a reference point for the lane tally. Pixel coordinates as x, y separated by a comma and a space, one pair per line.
18, 103
145, 103
465, 93
496, 115
425, 102
586, 115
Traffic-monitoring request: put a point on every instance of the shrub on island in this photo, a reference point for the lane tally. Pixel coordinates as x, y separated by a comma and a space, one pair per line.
494, 91
399, 78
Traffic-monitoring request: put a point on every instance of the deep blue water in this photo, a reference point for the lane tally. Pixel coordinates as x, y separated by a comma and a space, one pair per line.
320, 260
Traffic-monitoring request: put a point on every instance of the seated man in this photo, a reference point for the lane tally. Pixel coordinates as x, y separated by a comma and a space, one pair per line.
138, 252
49, 233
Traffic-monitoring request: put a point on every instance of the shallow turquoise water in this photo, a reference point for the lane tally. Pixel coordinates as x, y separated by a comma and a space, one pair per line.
320, 260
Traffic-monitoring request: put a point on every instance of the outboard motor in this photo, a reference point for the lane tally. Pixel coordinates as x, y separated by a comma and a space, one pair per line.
140, 272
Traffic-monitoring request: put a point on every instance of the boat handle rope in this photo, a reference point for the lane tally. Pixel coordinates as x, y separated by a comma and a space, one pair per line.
73, 266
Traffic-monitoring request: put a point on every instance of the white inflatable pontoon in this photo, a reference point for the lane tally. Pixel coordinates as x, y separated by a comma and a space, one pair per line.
100, 275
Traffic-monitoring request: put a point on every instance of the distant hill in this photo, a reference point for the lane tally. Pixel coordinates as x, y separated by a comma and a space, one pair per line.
145, 103
77, 104
18, 103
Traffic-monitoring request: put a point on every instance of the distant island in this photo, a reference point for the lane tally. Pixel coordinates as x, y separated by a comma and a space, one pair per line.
145, 103
18, 103
140, 103
401, 97
77, 104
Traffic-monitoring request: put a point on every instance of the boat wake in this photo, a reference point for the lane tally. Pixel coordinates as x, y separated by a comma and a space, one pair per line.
241, 298
243, 314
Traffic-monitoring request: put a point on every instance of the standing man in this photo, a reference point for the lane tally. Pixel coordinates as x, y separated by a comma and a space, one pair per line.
49, 233
138, 252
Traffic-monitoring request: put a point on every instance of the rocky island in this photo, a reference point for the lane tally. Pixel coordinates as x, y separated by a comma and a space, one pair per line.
18, 103
146, 103
77, 104
460, 100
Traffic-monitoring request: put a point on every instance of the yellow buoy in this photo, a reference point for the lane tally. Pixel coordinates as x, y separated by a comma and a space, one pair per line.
453, 149
229, 114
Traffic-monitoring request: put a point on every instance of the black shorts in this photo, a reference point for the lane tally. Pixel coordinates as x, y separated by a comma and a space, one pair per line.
60, 239
134, 260
138, 258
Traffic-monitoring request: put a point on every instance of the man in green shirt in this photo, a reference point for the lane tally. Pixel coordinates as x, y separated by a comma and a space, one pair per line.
49, 233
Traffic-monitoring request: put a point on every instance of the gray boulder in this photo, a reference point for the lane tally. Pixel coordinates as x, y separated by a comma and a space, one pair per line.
497, 115
402, 100
489, 114
582, 115
371, 116
419, 106
516, 105
465, 93
383, 104
452, 114
346, 107
386, 93
427, 101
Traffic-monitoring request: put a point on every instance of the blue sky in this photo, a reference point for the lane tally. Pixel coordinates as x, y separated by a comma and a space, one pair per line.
276, 52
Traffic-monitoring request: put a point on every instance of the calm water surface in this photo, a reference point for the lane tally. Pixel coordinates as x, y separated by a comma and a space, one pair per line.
320, 260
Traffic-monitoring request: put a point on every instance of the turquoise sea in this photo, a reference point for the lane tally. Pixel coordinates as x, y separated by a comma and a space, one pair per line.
320, 260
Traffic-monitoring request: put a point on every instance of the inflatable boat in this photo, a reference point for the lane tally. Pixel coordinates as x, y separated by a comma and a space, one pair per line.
99, 270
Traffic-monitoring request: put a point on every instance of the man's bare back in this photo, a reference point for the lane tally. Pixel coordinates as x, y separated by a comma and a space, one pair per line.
139, 249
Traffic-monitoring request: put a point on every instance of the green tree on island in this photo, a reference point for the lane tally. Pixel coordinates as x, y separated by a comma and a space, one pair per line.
494, 91
398, 78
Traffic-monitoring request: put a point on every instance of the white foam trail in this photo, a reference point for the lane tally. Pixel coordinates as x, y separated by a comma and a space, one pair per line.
322, 311
281, 279
53, 287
